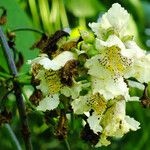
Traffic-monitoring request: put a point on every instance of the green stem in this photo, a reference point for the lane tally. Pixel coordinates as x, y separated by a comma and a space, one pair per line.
27, 29
5, 75
67, 144
13, 137
27, 100
82, 22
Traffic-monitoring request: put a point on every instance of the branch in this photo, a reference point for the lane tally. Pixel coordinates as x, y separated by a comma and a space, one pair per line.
17, 89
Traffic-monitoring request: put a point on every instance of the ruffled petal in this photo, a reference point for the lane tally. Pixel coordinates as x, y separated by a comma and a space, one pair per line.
140, 69
94, 123
133, 50
48, 103
57, 63
110, 88
132, 123
118, 17
80, 105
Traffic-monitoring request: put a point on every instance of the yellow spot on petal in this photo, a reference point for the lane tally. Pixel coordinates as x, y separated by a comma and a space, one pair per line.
114, 61
97, 103
53, 81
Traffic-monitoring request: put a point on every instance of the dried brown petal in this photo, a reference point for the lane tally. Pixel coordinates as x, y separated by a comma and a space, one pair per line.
48, 44
49, 115
36, 97
35, 82
145, 100
89, 136
61, 130
35, 69
68, 71
145, 103
41, 43
69, 45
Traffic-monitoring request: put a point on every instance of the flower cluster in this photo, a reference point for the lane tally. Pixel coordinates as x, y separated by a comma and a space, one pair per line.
95, 72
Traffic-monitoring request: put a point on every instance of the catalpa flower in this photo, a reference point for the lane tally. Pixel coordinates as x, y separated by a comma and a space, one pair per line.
48, 73
115, 20
108, 67
115, 123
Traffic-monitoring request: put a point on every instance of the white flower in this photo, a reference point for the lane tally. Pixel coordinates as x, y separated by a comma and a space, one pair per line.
132, 123
108, 68
110, 57
96, 69
50, 86
111, 41
100, 28
115, 123
47, 72
115, 19
48, 103
135, 84
43, 83
91, 102
140, 68
113, 118
118, 17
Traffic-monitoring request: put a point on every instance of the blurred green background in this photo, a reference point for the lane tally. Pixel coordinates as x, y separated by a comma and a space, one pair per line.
49, 16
